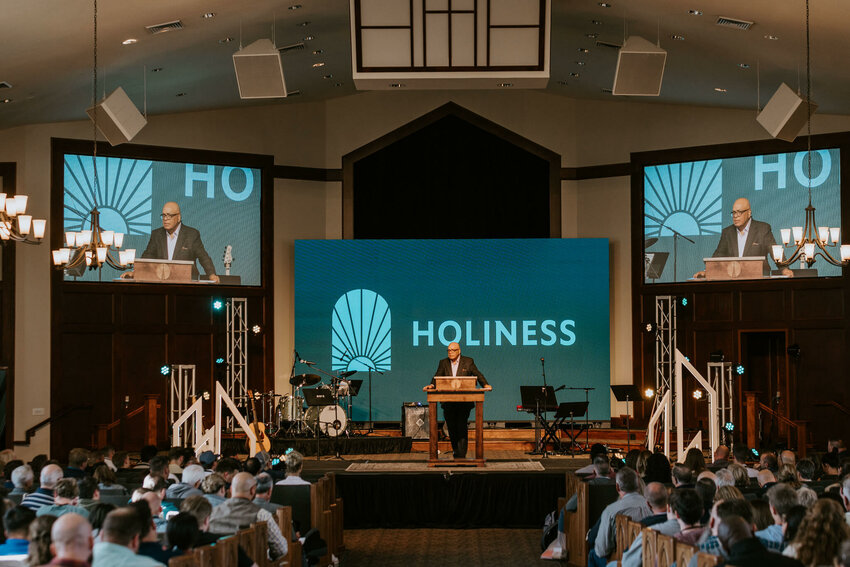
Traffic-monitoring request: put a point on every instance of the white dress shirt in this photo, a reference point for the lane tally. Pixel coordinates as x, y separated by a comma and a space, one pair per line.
171, 241
742, 238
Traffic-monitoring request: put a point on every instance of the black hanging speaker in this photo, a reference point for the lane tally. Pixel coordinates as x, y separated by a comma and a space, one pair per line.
414, 420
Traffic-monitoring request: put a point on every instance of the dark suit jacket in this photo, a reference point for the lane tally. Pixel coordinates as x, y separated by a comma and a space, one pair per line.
188, 247
466, 367
759, 242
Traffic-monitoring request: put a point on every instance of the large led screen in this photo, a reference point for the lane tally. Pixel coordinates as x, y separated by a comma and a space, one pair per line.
222, 203
687, 205
513, 305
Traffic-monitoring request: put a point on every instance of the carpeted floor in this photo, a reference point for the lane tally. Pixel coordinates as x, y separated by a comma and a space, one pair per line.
443, 548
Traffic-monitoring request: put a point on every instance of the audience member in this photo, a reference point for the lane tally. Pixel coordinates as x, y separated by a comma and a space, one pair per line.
207, 460
781, 498
227, 468
654, 493
728, 493
7, 473
630, 503
740, 456
119, 540
766, 479
599, 475
158, 468
762, 519
16, 524
37, 463
147, 453
193, 476
89, 492
787, 474
595, 449
736, 537
72, 541
22, 479
43, 496
793, 519
265, 484
740, 475
294, 463
39, 536
769, 462
831, 467
806, 497
149, 544
721, 457
121, 459
695, 460
107, 482
682, 476
239, 512
182, 533
721, 510
108, 453
176, 460
806, 470
787, 457
707, 490
641, 462
200, 508
77, 460
843, 559
658, 469
66, 499
252, 466
98, 514
687, 508
821, 533
656, 498
724, 477
214, 488
154, 502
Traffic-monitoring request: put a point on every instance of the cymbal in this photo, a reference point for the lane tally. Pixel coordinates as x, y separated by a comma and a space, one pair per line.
347, 374
305, 379
649, 242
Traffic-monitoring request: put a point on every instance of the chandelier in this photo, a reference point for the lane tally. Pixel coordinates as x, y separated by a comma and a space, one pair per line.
93, 247
15, 224
810, 240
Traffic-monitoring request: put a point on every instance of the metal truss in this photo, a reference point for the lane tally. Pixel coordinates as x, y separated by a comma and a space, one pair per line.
237, 350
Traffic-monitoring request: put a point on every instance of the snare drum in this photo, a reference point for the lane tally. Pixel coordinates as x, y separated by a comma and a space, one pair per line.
290, 408
331, 420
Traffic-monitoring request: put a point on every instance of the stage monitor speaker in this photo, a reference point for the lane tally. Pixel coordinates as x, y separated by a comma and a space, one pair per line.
640, 68
785, 114
259, 71
414, 421
117, 117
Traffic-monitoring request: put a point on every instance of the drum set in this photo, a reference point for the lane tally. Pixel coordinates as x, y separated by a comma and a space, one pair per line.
323, 410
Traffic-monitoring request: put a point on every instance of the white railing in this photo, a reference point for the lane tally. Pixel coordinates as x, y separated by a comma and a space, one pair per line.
211, 438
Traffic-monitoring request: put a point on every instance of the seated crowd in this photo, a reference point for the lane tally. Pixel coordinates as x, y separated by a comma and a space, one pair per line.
779, 511
101, 509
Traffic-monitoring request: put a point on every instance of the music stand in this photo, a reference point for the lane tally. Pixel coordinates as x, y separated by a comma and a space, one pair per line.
318, 397
571, 410
542, 399
655, 262
354, 387
627, 393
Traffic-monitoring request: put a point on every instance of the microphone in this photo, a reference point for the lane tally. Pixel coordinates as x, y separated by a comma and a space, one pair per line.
307, 362
561, 387
541, 360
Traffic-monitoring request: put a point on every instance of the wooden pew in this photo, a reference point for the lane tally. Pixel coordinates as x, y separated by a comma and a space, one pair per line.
650, 547
621, 526
248, 542
591, 501
284, 521
683, 553
707, 560
226, 552
187, 560
665, 547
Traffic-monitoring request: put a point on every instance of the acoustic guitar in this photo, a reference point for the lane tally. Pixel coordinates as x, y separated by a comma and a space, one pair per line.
259, 428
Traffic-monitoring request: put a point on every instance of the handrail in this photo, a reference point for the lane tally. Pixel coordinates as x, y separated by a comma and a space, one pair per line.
754, 406
30, 433
147, 410
834, 404
117, 422
780, 417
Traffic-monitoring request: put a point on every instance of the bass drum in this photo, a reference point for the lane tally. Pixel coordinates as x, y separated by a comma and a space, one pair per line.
331, 420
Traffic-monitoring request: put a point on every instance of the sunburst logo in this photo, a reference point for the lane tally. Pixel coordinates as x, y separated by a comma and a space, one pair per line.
361, 326
685, 197
121, 193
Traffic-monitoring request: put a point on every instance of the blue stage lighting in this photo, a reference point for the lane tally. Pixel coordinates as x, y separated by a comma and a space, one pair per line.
217, 304
165, 370
739, 369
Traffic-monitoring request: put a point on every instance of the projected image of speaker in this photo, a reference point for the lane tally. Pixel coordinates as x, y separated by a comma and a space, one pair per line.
117, 117
414, 420
785, 114
640, 68
259, 71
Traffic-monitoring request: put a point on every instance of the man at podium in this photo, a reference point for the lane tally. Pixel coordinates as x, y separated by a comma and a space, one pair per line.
176, 241
745, 237
456, 414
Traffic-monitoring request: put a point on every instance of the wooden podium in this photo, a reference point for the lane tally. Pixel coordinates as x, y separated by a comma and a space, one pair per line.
744, 268
167, 271
444, 392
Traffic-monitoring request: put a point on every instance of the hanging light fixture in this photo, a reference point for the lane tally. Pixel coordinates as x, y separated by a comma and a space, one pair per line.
810, 240
15, 224
93, 247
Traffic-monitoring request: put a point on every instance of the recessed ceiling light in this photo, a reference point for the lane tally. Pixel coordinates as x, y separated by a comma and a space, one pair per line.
295, 7
574, 75
695, 12
718, 89
328, 76
744, 65
309, 38
581, 63
318, 51
337, 84
608, 91
7, 100
208, 15
156, 69
771, 37
181, 94
583, 50
303, 24
596, 22
677, 37
129, 41
505, 85
225, 40
318, 64
563, 83
605, 4
397, 85
591, 35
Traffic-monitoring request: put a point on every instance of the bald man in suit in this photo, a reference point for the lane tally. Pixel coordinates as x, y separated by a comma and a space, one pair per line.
176, 241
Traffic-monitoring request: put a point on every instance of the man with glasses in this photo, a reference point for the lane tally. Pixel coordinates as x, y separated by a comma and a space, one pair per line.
176, 241
745, 237
456, 414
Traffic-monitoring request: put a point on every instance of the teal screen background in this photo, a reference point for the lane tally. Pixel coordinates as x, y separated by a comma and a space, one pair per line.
482, 286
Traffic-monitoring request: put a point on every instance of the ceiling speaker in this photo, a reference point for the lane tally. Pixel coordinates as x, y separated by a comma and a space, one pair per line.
785, 114
259, 71
640, 68
117, 117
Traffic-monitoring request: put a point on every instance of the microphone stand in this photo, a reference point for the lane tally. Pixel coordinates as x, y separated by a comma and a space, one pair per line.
545, 417
676, 237
371, 368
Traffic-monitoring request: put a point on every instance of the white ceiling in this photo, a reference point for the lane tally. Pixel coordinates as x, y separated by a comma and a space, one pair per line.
47, 51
